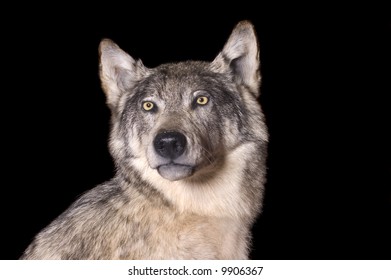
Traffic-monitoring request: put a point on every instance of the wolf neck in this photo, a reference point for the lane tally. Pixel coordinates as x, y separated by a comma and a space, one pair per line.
220, 196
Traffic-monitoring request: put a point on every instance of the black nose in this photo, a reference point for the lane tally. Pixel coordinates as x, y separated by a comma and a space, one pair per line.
170, 144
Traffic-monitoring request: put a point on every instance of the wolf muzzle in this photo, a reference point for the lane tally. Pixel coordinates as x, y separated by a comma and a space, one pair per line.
170, 145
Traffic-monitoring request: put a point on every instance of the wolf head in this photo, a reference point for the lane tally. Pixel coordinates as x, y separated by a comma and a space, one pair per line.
182, 120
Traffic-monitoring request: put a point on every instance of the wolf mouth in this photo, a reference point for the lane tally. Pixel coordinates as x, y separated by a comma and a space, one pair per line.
174, 171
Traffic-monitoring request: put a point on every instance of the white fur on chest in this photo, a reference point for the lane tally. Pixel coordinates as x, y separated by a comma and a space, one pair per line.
188, 236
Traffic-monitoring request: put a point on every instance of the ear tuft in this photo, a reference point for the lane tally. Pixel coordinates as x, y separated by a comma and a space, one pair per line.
240, 56
118, 71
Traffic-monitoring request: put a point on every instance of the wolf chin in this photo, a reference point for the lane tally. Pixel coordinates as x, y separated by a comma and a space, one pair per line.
189, 144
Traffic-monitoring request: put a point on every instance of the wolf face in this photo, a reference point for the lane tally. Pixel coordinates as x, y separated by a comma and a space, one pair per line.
181, 119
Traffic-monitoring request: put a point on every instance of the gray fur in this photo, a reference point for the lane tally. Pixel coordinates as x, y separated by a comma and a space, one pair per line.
201, 201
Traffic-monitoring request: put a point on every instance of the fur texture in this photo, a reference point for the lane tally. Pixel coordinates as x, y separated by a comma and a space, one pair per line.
189, 143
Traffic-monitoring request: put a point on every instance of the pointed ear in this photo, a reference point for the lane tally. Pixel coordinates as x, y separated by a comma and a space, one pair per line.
118, 71
240, 56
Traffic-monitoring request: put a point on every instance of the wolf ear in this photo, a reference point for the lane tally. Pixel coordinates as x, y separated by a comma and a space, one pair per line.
118, 71
240, 56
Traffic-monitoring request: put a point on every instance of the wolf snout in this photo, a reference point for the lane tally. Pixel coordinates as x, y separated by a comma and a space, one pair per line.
170, 144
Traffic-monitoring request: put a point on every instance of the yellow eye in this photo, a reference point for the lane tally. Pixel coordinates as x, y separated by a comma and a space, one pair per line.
148, 105
202, 100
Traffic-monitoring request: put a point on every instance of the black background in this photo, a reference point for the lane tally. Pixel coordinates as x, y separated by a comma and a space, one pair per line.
325, 94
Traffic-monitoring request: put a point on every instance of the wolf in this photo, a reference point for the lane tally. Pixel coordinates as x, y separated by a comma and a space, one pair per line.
189, 143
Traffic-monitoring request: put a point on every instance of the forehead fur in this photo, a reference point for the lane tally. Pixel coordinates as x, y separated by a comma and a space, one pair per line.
184, 77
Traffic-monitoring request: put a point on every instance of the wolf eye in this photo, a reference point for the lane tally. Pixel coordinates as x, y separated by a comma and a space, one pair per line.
148, 105
202, 100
